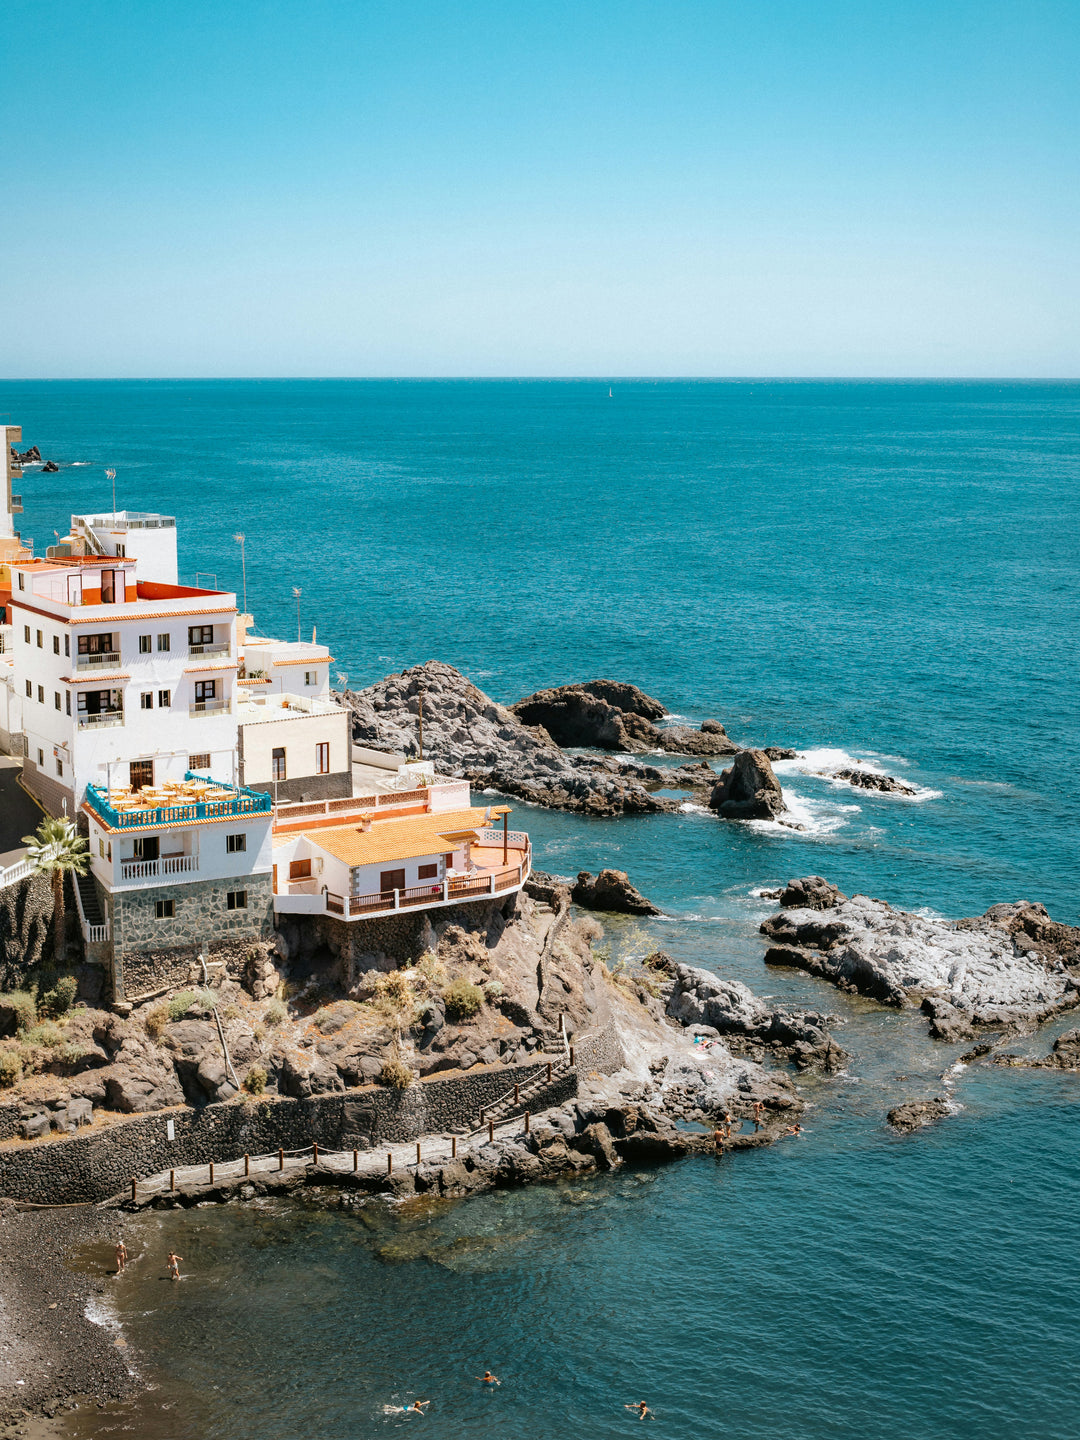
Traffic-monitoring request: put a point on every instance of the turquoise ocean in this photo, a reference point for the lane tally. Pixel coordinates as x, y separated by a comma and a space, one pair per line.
883, 571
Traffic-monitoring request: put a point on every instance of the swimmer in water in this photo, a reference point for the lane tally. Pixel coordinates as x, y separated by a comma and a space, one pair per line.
793, 1130
489, 1379
174, 1265
121, 1255
416, 1408
641, 1408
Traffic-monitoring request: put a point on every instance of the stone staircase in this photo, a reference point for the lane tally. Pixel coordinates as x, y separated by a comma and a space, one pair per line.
517, 1100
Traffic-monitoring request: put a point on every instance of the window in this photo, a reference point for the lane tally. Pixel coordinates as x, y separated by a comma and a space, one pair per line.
101, 848
146, 700
40, 641
165, 909
59, 767
96, 644
67, 644
101, 702
41, 694
299, 869
29, 690
147, 847
277, 764
40, 758
164, 699
26, 629
140, 773
392, 880
234, 844
236, 900
205, 690
198, 762
56, 698
56, 644
144, 644
322, 758
121, 552
22, 586
200, 635
311, 677
163, 642
428, 872
67, 702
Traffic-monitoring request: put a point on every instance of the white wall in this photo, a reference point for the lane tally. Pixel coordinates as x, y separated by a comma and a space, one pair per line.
298, 733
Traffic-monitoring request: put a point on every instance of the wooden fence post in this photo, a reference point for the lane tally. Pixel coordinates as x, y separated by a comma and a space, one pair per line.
418, 1152
549, 1072
133, 1184
389, 1162
172, 1179
355, 1159
526, 1122
247, 1164
491, 1129
315, 1152
517, 1094
281, 1159
211, 1172
571, 1054
453, 1147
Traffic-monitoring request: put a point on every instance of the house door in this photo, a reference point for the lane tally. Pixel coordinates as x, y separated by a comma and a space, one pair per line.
392, 880
141, 773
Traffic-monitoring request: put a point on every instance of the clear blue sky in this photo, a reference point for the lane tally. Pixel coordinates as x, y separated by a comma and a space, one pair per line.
601, 187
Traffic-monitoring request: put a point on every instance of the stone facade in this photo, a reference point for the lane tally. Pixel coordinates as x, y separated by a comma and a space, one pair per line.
50, 793
149, 953
599, 1050
98, 1163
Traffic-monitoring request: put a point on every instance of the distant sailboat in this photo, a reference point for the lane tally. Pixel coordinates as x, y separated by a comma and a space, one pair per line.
609, 394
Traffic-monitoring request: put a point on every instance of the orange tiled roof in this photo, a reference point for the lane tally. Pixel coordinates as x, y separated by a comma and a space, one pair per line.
401, 839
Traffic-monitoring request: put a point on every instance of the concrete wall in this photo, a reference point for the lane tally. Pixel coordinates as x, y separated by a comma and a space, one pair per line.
51, 793
95, 1164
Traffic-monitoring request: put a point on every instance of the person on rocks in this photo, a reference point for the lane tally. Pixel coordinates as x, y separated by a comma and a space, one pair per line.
489, 1379
121, 1255
174, 1265
727, 1124
758, 1108
718, 1141
641, 1408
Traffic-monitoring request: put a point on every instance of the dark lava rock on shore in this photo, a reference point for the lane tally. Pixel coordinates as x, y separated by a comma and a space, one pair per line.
748, 789
914, 1114
610, 715
612, 891
870, 780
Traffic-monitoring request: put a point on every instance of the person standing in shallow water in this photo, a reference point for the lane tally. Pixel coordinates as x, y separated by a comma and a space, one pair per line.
174, 1265
757, 1115
121, 1254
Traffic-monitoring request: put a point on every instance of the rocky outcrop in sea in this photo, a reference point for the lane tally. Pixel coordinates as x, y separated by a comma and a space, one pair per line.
610, 715
1009, 968
748, 790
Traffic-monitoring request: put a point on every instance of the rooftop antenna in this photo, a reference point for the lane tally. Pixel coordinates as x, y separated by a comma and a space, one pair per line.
111, 475
296, 596
239, 538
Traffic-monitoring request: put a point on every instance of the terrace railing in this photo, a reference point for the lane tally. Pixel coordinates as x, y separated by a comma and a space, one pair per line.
97, 660
165, 865
221, 648
100, 720
209, 707
241, 802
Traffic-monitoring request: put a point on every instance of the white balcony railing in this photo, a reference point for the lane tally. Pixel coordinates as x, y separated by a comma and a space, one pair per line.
100, 721
153, 869
220, 649
103, 657
209, 707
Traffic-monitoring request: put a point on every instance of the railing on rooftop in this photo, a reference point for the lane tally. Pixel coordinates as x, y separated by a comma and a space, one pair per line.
208, 707
222, 648
241, 801
101, 719
102, 657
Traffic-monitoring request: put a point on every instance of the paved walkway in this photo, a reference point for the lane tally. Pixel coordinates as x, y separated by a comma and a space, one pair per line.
433, 1148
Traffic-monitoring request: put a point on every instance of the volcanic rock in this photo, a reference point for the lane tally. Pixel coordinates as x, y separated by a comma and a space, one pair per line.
869, 780
732, 1009
914, 1114
609, 715
748, 789
612, 891
1007, 968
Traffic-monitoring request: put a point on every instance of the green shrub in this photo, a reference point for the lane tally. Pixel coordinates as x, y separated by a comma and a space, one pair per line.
493, 989
181, 1003
24, 1006
74, 1051
45, 1034
276, 1012
11, 1070
395, 1074
255, 1080
462, 999
156, 1019
59, 1000
393, 994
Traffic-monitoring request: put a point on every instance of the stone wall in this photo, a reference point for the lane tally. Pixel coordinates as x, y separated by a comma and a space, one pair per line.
151, 953
95, 1164
26, 912
599, 1050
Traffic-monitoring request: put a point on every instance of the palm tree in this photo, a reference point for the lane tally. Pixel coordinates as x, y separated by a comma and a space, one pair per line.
57, 849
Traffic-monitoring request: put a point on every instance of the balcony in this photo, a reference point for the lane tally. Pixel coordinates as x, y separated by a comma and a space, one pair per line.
103, 658
102, 720
156, 869
209, 707
197, 799
222, 649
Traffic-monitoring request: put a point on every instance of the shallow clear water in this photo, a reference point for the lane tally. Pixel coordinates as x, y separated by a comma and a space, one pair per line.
874, 570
